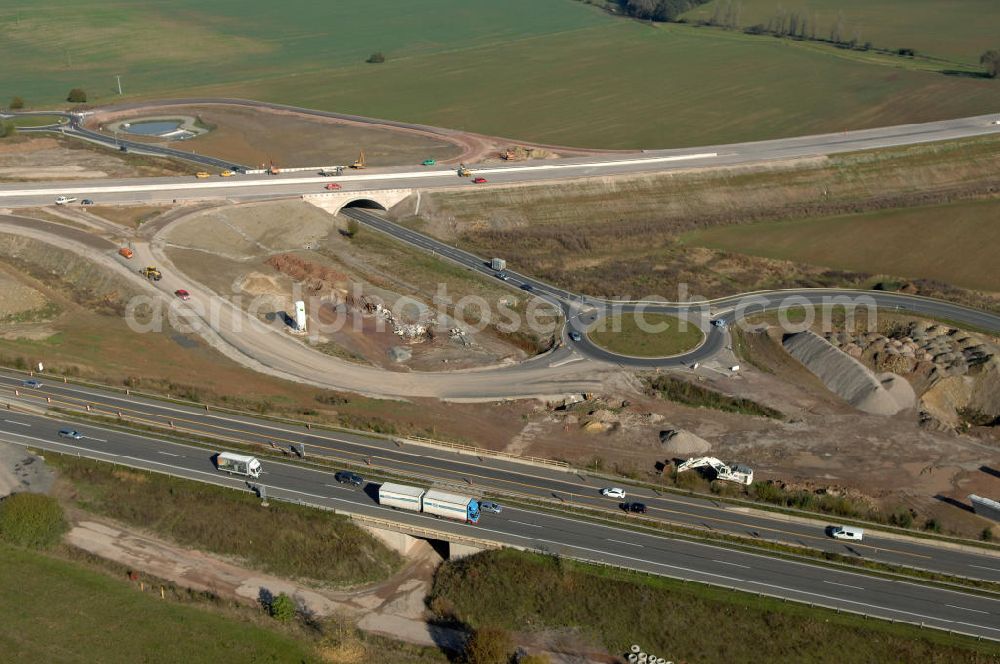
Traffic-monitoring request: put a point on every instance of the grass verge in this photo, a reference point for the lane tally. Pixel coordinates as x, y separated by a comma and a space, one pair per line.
55, 611
528, 592
647, 335
284, 539
689, 394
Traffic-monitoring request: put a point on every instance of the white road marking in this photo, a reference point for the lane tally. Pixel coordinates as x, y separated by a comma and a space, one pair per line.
844, 585
621, 542
167, 453
726, 562
965, 608
23, 424
992, 569
99, 440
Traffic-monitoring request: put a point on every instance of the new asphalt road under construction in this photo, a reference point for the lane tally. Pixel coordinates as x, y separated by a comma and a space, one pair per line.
562, 534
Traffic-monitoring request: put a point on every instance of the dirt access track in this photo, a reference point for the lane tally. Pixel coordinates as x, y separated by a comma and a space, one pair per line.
297, 137
271, 350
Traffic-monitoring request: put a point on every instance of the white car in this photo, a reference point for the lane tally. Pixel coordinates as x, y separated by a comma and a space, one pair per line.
63, 200
995, 122
613, 492
847, 533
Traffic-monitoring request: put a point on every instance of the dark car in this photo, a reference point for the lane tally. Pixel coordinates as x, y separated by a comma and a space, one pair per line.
635, 508
490, 507
345, 477
575, 336
35, 384
502, 276
527, 287
70, 433
86, 201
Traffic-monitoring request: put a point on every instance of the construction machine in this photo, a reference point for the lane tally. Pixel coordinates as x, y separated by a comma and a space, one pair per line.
733, 472
463, 172
151, 273
359, 163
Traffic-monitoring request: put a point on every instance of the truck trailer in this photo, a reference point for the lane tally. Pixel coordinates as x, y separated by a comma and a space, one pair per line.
401, 496
429, 501
451, 506
238, 464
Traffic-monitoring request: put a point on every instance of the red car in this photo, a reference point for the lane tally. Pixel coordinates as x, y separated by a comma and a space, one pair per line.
332, 186
479, 181
183, 294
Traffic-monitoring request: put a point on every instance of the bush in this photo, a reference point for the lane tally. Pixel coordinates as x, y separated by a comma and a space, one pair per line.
31, 520
77, 96
932, 525
282, 608
16, 103
489, 645
376, 58
7, 128
902, 517
987, 534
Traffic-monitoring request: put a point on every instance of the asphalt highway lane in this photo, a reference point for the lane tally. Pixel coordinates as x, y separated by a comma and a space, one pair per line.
486, 474
557, 534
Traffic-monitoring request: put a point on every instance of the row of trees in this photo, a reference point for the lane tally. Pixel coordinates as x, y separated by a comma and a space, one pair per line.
784, 23
658, 10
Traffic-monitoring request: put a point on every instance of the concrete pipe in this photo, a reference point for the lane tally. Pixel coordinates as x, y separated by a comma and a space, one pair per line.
635, 648
633, 658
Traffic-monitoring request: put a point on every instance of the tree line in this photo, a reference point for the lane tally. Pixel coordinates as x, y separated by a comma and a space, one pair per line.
658, 10
784, 23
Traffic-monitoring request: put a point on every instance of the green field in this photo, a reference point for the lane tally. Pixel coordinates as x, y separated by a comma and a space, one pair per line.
679, 621
954, 243
959, 29
557, 71
651, 335
55, 611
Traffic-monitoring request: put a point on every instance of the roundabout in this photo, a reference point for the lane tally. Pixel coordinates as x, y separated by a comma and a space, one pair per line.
637, 334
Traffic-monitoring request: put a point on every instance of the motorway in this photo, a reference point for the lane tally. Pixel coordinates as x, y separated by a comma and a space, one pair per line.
556, 534
250, 187
487, 474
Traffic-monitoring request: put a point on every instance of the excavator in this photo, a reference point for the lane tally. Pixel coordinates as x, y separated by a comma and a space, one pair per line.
359, 163
463, 172
733, 472
151, 273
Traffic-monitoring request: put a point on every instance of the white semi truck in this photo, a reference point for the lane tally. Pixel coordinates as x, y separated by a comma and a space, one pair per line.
429, 501
238, 464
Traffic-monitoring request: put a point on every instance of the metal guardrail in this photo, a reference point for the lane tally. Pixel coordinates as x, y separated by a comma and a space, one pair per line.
481, 452
391, 525
417, 440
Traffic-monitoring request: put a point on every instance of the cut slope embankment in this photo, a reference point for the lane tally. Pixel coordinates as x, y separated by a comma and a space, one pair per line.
882, 394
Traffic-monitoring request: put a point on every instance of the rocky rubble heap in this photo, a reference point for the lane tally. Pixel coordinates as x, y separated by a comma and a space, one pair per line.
957, 373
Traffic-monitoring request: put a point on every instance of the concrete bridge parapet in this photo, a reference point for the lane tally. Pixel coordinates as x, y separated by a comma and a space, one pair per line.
334, 201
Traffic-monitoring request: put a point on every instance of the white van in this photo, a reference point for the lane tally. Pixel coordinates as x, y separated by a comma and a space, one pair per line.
847, 533
63, 200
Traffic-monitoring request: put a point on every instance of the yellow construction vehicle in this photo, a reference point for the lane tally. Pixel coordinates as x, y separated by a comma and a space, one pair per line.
463, 172
151, 273
359, 163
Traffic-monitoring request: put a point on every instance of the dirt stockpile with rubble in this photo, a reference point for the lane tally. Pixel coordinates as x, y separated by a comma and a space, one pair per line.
845, 376
956, 373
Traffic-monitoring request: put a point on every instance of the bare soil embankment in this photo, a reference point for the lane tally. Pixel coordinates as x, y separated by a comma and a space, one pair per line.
884, 394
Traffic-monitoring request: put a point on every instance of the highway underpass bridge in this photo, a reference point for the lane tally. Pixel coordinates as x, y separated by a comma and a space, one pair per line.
376, 199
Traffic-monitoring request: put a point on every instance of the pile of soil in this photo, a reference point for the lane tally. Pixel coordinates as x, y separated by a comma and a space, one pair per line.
845, 376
